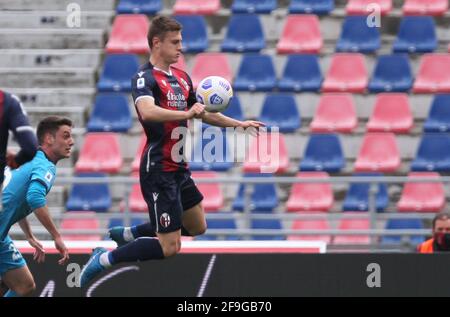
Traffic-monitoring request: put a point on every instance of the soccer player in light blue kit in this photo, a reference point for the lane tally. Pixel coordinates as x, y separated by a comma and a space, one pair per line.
24, 191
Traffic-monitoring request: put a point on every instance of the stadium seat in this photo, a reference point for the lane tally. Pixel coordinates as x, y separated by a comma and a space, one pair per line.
254, 6
323, 153
311, 6
391, 114
301, 73
364, 7
352, 224
301, 34
212, 152
89, 221
316, 224
195, 35
111, 113
439, 118
264, 156
425, 7
358, 36
398, 224
95, 197
136, 200
273, 224
262, 199
378, 153
219, 224
137, 157
347, 73
310, 196
199, 7
335, 113
392, 74
244, 34
117, 71
210, 64
433, 153
213, 198
100, 153
234, 109
280, 110
139, 6
416, 35
357, 197
434, 74
256, 73
422, 197
129, 34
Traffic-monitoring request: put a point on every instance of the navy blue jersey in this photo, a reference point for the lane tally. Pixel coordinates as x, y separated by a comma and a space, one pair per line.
13, 118
172, 91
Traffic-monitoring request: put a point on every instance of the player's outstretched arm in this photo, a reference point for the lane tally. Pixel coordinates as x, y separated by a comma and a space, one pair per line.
151, 112
39, 254
221, 120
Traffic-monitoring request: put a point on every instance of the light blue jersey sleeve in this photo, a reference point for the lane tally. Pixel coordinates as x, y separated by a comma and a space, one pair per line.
44, 173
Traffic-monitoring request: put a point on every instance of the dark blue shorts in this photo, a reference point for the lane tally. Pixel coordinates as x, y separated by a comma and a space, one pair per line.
168, 195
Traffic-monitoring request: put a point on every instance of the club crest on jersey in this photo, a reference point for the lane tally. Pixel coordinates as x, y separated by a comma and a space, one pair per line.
164, 220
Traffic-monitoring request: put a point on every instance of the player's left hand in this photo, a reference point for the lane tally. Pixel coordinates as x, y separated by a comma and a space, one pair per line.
39, 252
61, 247
11, 159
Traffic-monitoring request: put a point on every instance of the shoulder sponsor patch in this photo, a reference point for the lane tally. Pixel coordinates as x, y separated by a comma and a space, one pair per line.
48, 177
140, 83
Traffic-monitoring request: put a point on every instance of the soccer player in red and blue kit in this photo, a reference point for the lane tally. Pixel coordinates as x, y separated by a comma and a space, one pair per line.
164, 100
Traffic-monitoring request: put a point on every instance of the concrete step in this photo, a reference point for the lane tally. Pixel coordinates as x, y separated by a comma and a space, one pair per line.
53, 97
54, 5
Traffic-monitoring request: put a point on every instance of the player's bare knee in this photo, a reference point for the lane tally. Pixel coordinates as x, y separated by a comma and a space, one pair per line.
25, 289
199, 229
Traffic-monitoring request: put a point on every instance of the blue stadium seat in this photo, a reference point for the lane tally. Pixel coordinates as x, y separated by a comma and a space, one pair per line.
357, 198
263, 199
148, 7
357, 36
115, 222
195, 35
393, 224
117, 71
94, 197
219, 224
221, 159
234, 110
439, 118
256, 73
416, 35
111, 113
323, 153
311, 6
266, 224
280, 110
244, 34
392, 74
433, 153
301, 73
253, 6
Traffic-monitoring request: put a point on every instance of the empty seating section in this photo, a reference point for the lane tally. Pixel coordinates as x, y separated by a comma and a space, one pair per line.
347, 73
391, 113
335, 113
211, 151
320, 224
378, 153
147, 7
301, 73
129, 34
111, 113
364, 7
357, 197
244, 34
256, 73
263, 197
195, 35
323, 153
358, 36
392, 74
433, 153
254, 6
311, 6
401, 224
416, 34
199, 7
89, 221
117, 71
301, 34
280, 110
353, 224
209, 64
425, 7
439, 117
212, 193
85, 196
434, 74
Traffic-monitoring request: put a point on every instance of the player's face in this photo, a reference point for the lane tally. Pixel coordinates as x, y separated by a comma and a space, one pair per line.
171, 46
63, 142
442, 226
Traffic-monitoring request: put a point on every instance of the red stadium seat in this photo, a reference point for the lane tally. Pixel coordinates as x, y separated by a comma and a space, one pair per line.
434, 74
378, 153
301, 34
211, 64
347, 73
335, 113
425, 7
364, 7
100, 153
265, 157
391, 114
137, 158
316, 224
137, 201
422, 197
212, 193
310, 196
353, 224
200, 7
89, 222
129, 34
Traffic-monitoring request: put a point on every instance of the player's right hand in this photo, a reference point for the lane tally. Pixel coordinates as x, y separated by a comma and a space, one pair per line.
196, 111
61, 247
39, 252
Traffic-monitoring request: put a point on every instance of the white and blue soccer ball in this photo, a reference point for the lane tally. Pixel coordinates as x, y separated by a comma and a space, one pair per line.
215, 93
